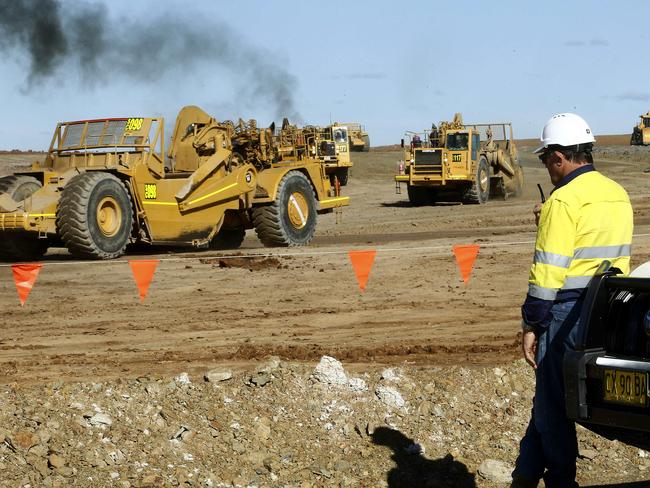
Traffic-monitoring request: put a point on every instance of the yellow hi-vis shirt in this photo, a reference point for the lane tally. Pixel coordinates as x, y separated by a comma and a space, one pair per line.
585, 221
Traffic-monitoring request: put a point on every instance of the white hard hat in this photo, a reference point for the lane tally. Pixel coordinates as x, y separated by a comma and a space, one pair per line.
565, 130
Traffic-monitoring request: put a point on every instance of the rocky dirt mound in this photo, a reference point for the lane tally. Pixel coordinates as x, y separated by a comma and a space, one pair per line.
626, 153
284, 425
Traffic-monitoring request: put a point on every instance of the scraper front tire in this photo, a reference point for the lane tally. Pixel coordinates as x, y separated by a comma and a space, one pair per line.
290, 220
95, 216
479, 191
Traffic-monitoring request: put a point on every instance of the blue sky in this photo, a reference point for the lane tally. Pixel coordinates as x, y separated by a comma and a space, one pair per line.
391, 66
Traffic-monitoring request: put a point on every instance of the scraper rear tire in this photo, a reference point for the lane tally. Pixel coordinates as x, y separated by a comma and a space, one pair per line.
291, 219
366, 144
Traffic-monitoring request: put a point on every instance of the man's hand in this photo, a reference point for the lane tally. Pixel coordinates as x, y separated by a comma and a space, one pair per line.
537, 210
529, 346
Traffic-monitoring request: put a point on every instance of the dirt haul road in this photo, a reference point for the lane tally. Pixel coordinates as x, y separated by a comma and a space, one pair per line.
84, 319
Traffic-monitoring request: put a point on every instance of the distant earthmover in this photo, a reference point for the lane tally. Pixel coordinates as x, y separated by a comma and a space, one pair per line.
641, 133
358, 137
460, 162
330, 145
106, 183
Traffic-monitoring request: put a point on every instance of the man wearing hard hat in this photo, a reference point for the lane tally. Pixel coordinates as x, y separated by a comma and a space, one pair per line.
587, 219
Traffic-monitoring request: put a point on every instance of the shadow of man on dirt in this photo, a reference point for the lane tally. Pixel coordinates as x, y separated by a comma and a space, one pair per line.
414, 470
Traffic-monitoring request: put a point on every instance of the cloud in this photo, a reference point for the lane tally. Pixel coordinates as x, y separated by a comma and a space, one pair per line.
599, 42
595, 42
360, 76
365, 76
631, 96
574, 43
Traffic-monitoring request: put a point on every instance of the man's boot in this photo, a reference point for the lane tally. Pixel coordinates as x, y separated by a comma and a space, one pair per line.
522, 482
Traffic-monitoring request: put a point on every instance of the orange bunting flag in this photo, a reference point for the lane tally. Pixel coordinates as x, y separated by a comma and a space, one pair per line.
143, 271
25, 276
362, 264
465, 257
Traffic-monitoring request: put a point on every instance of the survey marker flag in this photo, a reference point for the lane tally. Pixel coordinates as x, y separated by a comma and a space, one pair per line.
465, 257
24, 277
143, 271
362, 264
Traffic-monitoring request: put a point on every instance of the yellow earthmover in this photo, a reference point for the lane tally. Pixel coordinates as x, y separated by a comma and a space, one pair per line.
107, 183
331, 146
641, 132
460, 162
359, 138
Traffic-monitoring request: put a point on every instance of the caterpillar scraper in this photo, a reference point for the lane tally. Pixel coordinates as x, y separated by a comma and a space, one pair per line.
460, 162
107, 183
359, 138
331, 146
641, 132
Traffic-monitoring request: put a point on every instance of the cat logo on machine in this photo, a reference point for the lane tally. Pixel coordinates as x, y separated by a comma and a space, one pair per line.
456, 158
150, 191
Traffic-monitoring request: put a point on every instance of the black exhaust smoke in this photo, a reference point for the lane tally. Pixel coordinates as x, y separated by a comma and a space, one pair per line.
83, 36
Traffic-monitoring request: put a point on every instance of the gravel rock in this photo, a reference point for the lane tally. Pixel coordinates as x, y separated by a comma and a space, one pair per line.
183, 379
588, 454
438, 411
217, 375
100, 419
330, 371
271, 364
263, 428
391, 374
494, 470
24, 440
357, 384
260, 379
390, 396
56, 461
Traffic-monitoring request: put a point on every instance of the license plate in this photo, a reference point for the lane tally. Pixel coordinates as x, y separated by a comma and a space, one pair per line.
627, 387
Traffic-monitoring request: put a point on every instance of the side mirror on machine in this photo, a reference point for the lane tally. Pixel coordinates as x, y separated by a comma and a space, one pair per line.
402, 143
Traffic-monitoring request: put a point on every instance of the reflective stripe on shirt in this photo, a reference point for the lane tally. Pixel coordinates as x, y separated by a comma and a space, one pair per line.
541, 292
572, 282
602, 252
545, 257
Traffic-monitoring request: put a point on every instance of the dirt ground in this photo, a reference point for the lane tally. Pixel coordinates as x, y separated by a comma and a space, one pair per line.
84, 319
100, 389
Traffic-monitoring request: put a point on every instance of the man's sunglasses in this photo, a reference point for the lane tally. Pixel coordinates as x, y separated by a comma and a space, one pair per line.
545, 155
